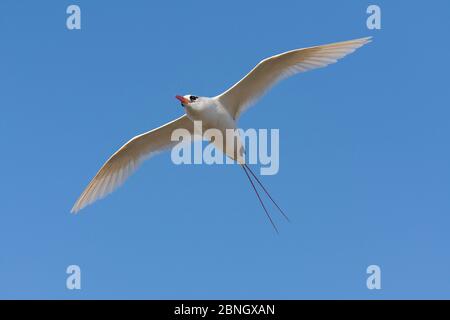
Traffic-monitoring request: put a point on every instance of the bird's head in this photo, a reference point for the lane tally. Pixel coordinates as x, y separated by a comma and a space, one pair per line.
188, 99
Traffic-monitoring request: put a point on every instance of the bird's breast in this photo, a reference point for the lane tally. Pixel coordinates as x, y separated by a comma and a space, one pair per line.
211, 116
216, 117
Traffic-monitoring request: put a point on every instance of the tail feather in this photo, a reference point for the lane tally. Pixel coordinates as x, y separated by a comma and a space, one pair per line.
260, 200
267, 192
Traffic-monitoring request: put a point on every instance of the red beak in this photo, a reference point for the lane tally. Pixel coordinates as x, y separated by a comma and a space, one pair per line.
182, 99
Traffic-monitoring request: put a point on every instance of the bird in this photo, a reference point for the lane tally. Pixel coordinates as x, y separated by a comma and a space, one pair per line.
219, 112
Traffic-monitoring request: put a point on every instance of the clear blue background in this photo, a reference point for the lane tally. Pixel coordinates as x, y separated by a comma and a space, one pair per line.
364, 153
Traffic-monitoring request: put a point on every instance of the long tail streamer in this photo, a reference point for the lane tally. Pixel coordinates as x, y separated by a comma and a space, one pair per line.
267, 192
247, 169
260, 200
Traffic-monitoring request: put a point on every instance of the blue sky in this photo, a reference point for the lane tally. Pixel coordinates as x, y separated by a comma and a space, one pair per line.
364, 157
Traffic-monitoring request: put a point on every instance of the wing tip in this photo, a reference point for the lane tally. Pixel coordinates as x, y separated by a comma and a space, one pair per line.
364, 40
368, 39
354, 44
76, 208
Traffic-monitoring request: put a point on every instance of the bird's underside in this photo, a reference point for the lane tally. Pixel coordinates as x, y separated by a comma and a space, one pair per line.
234, 100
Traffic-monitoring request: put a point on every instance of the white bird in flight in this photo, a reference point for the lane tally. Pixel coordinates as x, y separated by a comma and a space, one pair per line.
220, 112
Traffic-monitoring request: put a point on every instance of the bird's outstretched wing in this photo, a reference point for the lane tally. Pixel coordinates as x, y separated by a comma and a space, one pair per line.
123, 163
237, 98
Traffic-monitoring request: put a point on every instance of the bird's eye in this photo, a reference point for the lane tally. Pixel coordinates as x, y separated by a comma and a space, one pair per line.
193, 98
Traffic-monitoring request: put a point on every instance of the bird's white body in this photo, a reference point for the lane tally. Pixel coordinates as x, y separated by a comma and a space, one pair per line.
212, 115
220, 112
